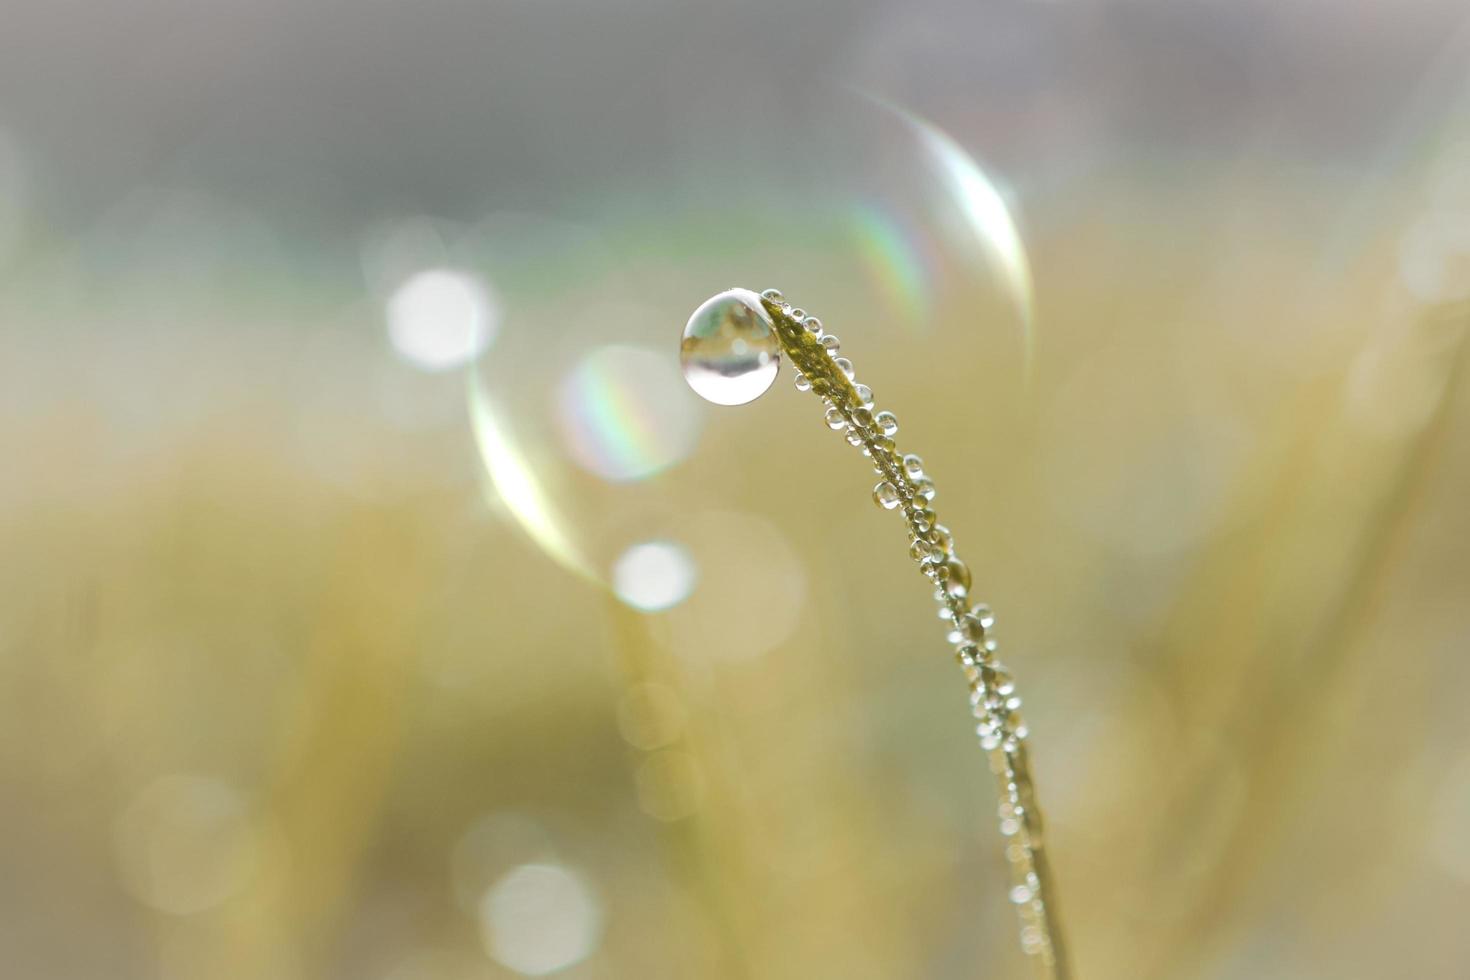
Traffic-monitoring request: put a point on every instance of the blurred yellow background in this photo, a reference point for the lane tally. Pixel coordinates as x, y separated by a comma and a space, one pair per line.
378, 602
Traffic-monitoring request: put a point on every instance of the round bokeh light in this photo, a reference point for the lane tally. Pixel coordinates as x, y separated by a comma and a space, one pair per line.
654, 575
540, 918
440, 319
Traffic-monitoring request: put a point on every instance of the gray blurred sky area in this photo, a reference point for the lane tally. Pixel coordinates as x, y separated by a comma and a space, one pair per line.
338, 110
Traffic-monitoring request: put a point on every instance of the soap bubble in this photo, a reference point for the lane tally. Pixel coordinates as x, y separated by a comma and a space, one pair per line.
874, 218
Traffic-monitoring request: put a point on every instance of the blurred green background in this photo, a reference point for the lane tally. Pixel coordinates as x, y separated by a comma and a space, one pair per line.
377, 601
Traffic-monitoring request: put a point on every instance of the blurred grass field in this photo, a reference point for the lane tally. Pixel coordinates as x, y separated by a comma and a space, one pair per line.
289, 690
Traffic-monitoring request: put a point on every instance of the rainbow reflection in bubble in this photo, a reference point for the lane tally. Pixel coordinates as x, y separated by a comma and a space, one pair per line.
968, 198
897, 262
985, 211
626, 414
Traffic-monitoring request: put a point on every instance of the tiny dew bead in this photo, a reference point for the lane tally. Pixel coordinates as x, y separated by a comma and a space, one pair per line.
845, 366
801, 382
834, 418
943, 538
913, 465
972, 628
924, 487
830, 341
798, 315
774, 295
888, 422
995, 677
864, 394
885, 495
958, 584
813, 325
923, 551
863, 418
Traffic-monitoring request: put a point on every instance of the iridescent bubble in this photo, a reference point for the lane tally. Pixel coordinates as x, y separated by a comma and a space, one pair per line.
441, 318
559, 401
898, 260
730, 352
929, 236
786, 226
984, 210
516, 482
654, 575
540, 918
917, 237
624, 415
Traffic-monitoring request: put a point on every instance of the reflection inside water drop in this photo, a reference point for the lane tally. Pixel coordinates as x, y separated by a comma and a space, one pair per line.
730, 352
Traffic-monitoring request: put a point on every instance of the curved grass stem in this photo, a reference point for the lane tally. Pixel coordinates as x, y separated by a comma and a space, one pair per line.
905, 488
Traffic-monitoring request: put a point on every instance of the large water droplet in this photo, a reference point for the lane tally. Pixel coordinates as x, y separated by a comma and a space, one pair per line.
730, 352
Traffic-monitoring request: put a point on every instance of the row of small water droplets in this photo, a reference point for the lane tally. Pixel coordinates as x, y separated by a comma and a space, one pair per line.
903, 486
